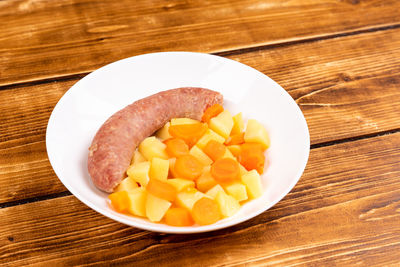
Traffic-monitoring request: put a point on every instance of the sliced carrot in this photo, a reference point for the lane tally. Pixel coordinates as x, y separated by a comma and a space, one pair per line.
225, 170
214, 150
206, 211
205, 182
190, 133
235, 139
120, 201
252, 157
176, 147
161, 189
188, 167
211, 112
178, 217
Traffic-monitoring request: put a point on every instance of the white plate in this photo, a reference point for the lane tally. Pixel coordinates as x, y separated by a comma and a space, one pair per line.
86, 105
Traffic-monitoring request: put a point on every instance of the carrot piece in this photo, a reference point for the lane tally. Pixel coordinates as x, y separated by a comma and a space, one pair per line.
206, 211
214, 150
178, 217
188, 167
120, 201
252, 157
161, 189
176, 147
225, 170
235, 139
211, 112
205, 182
190, 133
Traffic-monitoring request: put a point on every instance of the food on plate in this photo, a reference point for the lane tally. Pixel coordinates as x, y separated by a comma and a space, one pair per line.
193, 172
115, 142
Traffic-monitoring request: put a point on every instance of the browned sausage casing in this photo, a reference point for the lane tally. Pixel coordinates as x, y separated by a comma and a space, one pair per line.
115, 142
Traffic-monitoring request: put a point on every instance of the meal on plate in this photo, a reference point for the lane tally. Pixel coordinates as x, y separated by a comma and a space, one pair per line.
179, 157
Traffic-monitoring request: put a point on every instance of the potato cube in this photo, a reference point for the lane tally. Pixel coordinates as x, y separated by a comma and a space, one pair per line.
127, 184
205, 182
222, 124
139, 173
209, 135
178, 121
156, 207
137, 158
256, 133
228, 154
152, 147
180, 184
228, 205
187, 198
238, 124
137, 199
234, 149
159, 169
163, 133
252, 180
242, 170
200, 155
237, 190
212, 193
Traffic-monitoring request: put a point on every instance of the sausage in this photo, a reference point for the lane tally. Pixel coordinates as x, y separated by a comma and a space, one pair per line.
115, 142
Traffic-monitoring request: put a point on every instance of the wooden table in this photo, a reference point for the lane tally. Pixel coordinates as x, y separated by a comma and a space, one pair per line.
340, 61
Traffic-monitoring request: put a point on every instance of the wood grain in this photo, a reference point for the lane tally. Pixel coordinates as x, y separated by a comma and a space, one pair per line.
47, 39
356, 95
344, 211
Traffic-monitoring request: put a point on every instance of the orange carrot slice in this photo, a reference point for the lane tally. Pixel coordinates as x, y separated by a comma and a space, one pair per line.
214, 150
225, 170
120, 201
176, 147
252, 157
206, 211
211, 112
188, 167
161, 190
178, 217
190, 133
235, 139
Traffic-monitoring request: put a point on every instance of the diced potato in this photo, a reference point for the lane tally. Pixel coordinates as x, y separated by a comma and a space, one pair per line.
228, 154
256, 133
205, 182
180, 184
156, 207
137, 158
234, 149
200, 155
228, 205
127, 184
152, 147
237, 190
209, 135
163, 133
159, 169
222, 124
139, 172
187, 198
137, 199
212, 193
178, 121
252, 180
242, 170
238, 124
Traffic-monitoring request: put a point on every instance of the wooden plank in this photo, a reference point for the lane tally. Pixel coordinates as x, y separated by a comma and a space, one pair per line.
335, 108
46, 39
344, 211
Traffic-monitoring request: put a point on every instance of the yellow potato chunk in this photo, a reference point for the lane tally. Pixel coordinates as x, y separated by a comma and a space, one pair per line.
137, 199
137, 158
212, 193
187, 198
256, 133
237, 190
222, 124
234, 149
205, 182
127, 184
152, 147
209, 135
200, 155
180, 184
242, 170
156, 207
159, 169
252, 180
228, 205
178, 121
163, 133
238, 124
228, 154
139, 173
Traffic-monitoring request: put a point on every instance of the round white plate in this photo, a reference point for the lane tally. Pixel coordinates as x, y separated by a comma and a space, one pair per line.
86, 105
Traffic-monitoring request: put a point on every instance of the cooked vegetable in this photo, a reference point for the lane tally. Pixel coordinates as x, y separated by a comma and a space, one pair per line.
178, 217
225, 170
211, 112
176, 147
188, 167
190, 133
205, 211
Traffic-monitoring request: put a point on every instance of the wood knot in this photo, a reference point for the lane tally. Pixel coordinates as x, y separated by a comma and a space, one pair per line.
10, 238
